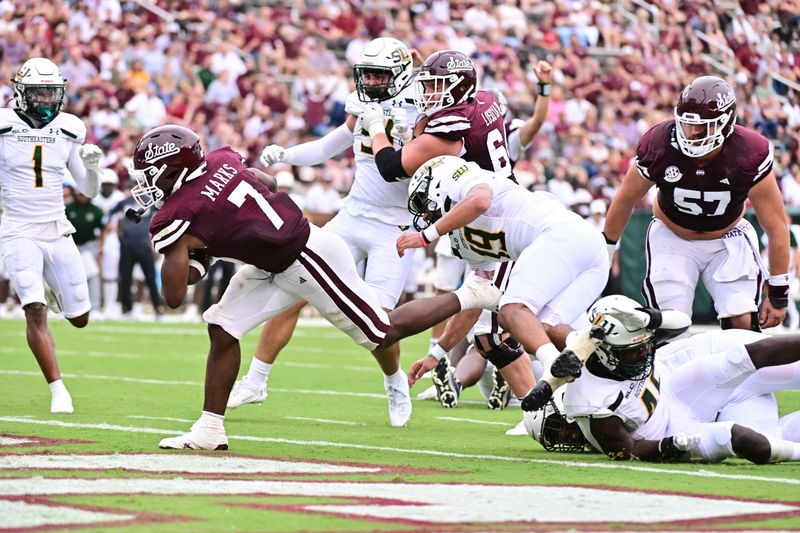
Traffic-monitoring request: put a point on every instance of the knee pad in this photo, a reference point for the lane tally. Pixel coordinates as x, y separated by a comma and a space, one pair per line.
499, 352
727, 323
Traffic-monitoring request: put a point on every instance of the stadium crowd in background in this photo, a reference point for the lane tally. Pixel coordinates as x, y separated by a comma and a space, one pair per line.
250, 73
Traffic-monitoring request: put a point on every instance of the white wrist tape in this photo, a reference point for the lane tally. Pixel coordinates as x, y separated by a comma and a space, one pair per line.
779, 279
437, 352
431, 233
198, 265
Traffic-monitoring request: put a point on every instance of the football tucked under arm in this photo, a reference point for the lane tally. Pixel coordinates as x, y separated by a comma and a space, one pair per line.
264, 178
199, 262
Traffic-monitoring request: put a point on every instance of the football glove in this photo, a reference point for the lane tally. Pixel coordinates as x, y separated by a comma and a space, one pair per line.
272, 155
372, 119
90, 155
401, 125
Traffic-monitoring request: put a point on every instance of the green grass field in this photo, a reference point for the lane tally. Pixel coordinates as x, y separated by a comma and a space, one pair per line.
319, 454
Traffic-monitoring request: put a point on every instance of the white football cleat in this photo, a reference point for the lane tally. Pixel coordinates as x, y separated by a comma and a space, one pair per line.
198, 438
427, 394
478, 293
243, 394
61, 402
518, 430
399, 403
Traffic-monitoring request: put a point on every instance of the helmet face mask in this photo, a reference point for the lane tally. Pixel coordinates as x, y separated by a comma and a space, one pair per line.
39, 89
426, 199
551, 428
446, 79
629, 362
383, 70
704, 115
629, 345
422, 197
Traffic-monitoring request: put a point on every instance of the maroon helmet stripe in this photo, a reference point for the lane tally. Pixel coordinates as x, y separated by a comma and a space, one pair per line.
348, 304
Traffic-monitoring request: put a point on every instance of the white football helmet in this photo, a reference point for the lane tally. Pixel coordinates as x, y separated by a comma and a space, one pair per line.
425, 196
551, 428
39, 89
387, 60
630, 333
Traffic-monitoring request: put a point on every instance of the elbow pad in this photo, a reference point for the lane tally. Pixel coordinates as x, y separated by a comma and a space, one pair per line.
390, 165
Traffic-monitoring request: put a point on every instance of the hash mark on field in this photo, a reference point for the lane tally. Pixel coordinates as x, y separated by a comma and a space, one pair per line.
166, 418
482, 457
325, 420
471, 420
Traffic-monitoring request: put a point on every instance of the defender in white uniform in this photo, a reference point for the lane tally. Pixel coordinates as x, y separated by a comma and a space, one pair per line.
37, 143
627, 405
561, 265
372, 218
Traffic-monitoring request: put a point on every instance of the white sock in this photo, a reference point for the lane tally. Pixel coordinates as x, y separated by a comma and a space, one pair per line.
211, 420
790, 426
783, 450
57, 386
547, 353
258, 373
395, 378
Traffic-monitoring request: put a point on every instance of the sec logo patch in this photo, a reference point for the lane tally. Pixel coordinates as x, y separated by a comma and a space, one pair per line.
672, 174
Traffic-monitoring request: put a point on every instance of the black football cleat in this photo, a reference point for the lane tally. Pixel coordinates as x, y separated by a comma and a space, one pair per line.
539, 395
567, 365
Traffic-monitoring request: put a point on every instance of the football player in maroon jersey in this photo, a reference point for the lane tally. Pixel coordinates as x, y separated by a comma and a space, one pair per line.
705, 168
212, 205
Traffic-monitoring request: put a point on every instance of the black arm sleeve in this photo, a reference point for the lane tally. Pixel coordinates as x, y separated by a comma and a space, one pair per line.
389, 163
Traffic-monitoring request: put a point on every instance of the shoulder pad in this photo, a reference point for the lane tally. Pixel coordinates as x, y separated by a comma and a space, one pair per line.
651, 146
450, 123
8, 119
515, 124
71, 126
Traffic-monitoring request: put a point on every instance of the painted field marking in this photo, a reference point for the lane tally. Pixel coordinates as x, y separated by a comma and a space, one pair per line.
316, 443
471, 421
195, 384
324, 420
164, 418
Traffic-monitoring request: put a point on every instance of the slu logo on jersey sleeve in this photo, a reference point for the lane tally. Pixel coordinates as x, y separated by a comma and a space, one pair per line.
672, 174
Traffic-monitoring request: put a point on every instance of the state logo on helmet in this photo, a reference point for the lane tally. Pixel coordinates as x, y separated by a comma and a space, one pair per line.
39, 89
704, 115
446, 79
165, 158
426, 200
383, 70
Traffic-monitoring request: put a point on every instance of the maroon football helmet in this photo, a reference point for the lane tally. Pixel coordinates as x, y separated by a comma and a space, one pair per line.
164, 159
705, 115
446, 79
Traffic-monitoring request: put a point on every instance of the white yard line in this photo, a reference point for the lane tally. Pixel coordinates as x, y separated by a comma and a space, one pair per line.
323, 420
166, 418
317, 444
472, 421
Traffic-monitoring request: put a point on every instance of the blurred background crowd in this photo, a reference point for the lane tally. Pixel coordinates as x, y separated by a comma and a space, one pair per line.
251, 73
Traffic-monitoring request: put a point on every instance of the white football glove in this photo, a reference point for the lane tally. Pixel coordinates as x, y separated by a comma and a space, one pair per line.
686, 442
90, 155
372, 119
401, 125
272, 155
